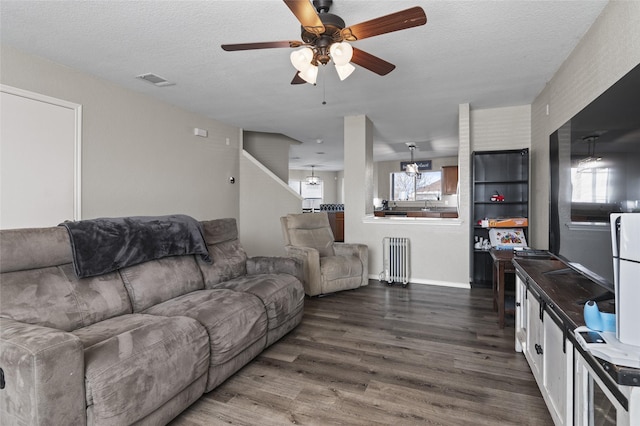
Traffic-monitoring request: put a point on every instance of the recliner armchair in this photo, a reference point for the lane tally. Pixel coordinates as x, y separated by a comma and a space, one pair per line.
328, 266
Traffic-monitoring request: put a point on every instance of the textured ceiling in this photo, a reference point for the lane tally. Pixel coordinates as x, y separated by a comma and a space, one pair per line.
486, 53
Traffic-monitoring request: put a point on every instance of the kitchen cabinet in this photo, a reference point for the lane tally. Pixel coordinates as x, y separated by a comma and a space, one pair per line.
336, 221
500, 190
449, 180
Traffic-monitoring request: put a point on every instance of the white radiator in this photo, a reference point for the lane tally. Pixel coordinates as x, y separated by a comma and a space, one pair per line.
395, 260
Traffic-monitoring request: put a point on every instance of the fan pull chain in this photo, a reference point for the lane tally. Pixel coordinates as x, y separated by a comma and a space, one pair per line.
324, 86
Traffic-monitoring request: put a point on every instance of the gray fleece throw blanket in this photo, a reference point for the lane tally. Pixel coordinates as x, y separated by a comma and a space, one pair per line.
107, 244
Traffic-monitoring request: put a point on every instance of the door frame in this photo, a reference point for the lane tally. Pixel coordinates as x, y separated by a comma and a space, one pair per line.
77, 147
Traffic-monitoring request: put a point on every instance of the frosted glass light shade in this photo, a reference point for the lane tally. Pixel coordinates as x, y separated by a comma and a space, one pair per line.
310, 74
341, 53
345, 70
301, 59
412, 169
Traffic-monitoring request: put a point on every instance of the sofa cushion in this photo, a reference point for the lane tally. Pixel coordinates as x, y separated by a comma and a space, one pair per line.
281, 294
54, 297
159, 280
136, 363
234, 320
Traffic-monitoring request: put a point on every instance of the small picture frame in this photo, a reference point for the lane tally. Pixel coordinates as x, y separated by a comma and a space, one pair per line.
506, 238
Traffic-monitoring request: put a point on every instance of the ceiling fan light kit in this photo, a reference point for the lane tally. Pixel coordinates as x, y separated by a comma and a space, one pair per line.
324, 35
310, 74
345, 70
301, 58
341, 53
305, 61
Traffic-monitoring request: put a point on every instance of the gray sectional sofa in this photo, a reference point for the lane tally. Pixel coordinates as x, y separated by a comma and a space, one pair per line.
137, 345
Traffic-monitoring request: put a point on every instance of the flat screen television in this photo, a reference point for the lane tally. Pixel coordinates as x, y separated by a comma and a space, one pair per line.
595, 171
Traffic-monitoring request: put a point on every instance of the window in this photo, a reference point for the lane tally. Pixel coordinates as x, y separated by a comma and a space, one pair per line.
312, 194
424, 186
590, 185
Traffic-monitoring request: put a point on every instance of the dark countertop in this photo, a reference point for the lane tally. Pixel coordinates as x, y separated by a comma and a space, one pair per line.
437, 212
567, 290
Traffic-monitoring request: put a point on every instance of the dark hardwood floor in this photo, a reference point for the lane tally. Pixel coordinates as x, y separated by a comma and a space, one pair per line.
383, 355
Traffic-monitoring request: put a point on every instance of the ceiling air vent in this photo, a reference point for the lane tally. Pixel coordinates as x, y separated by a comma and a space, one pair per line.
155, 80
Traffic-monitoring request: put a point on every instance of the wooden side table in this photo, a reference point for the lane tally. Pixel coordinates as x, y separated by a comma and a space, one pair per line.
501, 265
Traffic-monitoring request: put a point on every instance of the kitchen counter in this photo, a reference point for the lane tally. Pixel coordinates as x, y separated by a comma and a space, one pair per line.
434, 212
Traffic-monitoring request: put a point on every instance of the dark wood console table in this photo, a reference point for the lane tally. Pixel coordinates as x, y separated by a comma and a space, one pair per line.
502, 264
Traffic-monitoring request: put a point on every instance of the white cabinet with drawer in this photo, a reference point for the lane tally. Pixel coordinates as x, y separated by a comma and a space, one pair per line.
540, 336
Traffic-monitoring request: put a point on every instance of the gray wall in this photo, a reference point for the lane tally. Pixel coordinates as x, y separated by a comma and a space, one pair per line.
609, 50
271, 149
264, 198
139, 155
331, 182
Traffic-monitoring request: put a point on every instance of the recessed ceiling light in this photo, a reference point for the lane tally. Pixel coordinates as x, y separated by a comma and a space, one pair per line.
320, 152
154, 79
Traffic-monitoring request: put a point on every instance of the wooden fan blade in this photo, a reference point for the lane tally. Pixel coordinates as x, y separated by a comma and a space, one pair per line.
371, 62
306, 14
263, 45
402, 20
297, 79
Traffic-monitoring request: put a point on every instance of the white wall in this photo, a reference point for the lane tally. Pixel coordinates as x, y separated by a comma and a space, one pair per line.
609, 50
139, 155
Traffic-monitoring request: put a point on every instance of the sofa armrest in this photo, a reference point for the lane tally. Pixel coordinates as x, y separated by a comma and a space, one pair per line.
359, 250
310, 259
349, 249
44, 375
275, 265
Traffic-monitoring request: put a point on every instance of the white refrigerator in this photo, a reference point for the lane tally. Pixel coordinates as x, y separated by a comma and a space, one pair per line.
625, 239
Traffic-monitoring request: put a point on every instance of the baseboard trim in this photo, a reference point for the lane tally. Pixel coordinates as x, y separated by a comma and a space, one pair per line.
429, 282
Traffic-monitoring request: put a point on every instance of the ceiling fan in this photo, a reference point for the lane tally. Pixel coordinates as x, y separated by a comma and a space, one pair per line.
325, 36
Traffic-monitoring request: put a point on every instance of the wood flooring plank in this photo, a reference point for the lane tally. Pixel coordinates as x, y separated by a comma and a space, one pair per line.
381, 355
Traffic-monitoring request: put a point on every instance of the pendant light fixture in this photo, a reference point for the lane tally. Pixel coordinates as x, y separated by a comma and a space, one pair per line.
313, 179
592, 161
412, 169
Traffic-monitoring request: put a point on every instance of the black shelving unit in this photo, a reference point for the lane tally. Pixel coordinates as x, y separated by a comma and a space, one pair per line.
503, 173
